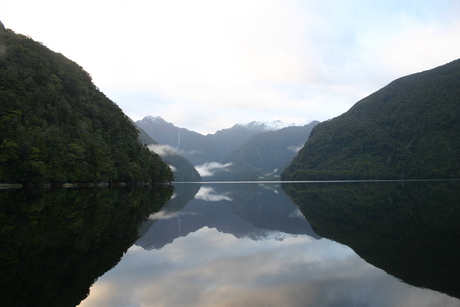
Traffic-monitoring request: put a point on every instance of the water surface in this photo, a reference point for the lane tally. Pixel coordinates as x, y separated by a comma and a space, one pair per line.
232, 244
251, 245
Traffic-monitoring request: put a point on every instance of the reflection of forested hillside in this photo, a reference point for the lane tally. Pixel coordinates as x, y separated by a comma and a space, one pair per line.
54, 244
409, 229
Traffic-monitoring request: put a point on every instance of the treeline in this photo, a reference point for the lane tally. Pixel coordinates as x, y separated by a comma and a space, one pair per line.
56, 126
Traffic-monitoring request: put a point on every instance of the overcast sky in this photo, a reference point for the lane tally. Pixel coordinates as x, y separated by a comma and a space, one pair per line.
208, 64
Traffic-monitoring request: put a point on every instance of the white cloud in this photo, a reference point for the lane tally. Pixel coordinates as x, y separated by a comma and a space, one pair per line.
209, 168
162, 150
295, 148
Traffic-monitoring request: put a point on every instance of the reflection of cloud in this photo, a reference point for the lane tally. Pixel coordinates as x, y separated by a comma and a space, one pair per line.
207, 194
162, 215
297, 214
208, 268
209, 168
162, 150
165, 215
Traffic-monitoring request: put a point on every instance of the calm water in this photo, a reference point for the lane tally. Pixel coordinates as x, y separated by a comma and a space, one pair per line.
328, 244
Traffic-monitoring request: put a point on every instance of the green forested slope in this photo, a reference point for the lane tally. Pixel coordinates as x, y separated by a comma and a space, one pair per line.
408, 129
56, 126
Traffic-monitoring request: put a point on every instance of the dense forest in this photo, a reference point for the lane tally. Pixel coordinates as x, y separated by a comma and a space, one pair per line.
56, 126
408, 129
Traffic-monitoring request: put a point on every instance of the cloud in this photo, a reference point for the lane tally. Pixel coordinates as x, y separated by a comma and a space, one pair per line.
162, 150
209, 168
295, 148
208, 194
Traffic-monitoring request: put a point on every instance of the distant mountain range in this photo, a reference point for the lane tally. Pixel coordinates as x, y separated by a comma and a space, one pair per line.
265, 154
252, 151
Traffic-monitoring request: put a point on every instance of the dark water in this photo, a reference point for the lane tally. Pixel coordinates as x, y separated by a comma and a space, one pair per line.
299, 244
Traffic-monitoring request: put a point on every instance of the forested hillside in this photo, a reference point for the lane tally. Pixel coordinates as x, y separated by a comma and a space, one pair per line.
408, 129
56, 126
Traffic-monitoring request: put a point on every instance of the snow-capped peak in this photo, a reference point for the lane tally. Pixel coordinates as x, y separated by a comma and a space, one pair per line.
150, 118
268, 126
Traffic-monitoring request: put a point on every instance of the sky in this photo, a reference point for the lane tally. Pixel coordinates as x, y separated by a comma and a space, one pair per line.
206, 65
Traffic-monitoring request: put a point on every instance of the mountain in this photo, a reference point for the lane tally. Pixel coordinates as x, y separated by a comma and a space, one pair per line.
187, 143
408, 129
265, 154
183, 170
198, 148
56, 126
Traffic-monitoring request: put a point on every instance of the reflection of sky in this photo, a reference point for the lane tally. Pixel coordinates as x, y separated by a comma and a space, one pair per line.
209, 268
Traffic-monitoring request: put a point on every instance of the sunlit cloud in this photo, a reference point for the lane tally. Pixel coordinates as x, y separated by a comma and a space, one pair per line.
208, 169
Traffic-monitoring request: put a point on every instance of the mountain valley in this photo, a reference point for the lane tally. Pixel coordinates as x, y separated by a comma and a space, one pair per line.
253, 151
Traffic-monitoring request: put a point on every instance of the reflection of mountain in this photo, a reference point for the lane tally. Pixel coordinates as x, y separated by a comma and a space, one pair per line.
408, 229
183, 193
244, 210
54, 244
